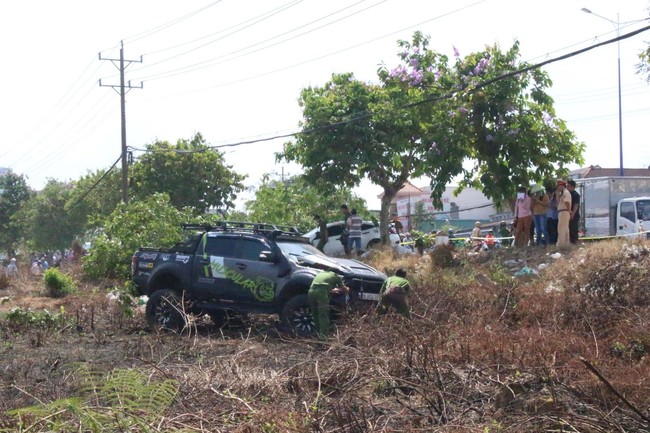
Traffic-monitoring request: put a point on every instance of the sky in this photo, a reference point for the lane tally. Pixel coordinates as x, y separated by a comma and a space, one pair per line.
233, 71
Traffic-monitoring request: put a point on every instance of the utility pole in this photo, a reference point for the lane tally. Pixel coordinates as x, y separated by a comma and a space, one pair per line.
124, 88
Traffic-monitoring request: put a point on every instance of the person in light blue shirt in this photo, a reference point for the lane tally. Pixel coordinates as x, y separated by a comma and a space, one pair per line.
551, 216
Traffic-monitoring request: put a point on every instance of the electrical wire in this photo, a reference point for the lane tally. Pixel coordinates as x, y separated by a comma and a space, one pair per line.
256, 20
155, 30
61, 104
321, 57
236, 54
450, 95
93, 186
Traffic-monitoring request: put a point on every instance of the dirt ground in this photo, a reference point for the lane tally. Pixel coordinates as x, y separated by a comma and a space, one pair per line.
491, 348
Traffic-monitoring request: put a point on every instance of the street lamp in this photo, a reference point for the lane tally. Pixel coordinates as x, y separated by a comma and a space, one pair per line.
620, 109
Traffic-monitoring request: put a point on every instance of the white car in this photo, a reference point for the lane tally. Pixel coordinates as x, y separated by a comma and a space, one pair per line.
369, 237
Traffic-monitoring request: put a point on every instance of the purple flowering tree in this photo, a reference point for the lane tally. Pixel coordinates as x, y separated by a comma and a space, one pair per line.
430, 117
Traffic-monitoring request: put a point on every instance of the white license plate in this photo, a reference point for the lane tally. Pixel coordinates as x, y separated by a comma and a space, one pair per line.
369, 296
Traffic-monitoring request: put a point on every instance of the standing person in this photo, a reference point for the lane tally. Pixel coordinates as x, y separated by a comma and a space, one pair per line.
563, 214
475, 237
523, 218
504, 232
324, 284
574, 222
354, 226
397, 224
345, 235
540, 206
12, 269
551, 216
393, 293
322, 232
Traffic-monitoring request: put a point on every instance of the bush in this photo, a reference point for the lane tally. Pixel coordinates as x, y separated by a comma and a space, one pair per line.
58, 284
151, 222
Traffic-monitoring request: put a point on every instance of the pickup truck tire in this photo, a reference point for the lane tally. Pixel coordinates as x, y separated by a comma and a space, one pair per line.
297, 314
164, 310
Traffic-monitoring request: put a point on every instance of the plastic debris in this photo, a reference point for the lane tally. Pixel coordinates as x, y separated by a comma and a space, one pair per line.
542, 266
525, 271
556, 256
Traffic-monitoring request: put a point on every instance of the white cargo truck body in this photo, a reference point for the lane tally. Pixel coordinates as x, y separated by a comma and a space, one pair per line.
609, 203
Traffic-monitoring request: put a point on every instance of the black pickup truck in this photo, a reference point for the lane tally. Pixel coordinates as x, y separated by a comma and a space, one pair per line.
241, 267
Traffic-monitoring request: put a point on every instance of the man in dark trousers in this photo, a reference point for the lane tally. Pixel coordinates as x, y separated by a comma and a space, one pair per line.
322, 232
575, 211
393, 293
345, 235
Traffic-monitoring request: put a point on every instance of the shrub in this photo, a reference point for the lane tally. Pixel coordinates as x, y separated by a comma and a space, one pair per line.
151, 222
20, 317
58, 284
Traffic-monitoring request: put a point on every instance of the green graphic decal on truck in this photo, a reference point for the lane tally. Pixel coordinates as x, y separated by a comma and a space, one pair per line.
260, 287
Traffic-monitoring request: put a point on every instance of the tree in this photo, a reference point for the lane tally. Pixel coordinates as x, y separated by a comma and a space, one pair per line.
190, 172
94, 197
150, 222
294, 202
48, 223
427, 118
14, 193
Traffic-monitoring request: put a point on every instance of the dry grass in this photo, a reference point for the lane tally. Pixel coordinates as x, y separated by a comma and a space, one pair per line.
484, 352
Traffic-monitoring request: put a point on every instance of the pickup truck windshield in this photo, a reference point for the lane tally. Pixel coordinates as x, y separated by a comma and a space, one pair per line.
299, 249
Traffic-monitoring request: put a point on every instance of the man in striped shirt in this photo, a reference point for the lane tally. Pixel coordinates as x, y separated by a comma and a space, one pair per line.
354, 225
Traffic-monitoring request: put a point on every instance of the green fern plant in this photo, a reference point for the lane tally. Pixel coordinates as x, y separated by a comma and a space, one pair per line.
121, 400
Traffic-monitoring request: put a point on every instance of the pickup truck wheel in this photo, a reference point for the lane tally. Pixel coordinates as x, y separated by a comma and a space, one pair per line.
164, 310
297, 314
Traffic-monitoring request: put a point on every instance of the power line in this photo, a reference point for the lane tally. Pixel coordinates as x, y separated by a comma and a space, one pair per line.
62, 103
93, 186
450, 95
321, 57
215, 60
255, 20
150, 32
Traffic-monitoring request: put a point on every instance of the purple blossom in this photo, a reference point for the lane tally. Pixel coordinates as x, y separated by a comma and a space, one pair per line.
452, 114
456, 53
416, 77
548, 119
437, 75
481, 66
463, 110
489, 137
513, 132
332, 86
433, 145
414, 62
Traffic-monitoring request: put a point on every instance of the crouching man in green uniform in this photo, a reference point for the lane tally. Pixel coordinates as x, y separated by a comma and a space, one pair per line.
324, 284
394, 292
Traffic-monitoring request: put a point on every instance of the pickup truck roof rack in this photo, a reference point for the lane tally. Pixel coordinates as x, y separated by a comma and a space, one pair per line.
267, 229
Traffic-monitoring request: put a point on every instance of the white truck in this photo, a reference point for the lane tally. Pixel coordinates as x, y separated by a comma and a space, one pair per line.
614, 206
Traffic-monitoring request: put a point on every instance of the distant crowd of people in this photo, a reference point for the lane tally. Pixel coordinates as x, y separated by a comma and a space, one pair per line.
40, 262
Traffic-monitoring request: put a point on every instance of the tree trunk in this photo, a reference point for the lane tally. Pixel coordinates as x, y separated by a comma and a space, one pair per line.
384, 217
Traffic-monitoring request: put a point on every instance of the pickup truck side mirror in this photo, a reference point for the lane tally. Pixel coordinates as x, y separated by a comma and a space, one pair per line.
267, 256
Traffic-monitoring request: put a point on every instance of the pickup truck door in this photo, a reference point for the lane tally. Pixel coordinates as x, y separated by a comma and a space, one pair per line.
210, 269
253, 280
